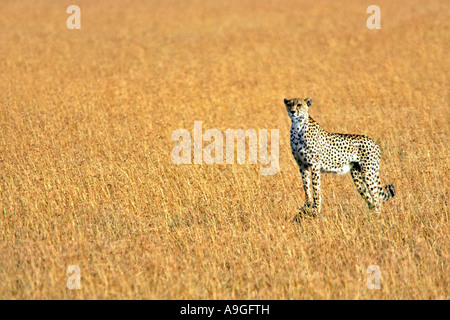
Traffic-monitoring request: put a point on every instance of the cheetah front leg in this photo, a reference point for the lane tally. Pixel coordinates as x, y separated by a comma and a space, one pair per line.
315, 173
304, 171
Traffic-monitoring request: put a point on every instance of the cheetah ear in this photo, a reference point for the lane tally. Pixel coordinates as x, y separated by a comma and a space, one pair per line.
286, 101
308, 101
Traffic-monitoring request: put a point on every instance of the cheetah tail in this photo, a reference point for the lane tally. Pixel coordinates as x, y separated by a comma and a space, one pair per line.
388, 192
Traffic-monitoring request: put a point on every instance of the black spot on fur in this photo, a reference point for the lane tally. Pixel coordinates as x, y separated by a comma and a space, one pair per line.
356, 166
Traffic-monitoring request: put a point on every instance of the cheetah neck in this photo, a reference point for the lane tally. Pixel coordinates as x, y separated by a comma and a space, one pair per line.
300, 125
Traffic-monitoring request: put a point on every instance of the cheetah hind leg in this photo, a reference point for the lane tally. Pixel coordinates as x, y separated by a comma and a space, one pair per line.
372, 178
361, 186
378, 193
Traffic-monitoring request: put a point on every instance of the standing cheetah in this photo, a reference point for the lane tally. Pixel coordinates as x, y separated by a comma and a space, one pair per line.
324, 152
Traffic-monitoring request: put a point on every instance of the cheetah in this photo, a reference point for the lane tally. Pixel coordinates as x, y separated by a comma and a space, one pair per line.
319, 151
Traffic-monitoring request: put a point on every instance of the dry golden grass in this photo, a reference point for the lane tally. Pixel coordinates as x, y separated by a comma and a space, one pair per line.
86, 176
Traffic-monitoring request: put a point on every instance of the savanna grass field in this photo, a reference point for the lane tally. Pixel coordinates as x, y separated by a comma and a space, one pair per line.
87, 179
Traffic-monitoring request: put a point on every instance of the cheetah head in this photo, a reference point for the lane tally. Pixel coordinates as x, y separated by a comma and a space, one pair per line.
297, 109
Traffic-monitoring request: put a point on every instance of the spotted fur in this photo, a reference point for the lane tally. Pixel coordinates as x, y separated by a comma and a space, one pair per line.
317, 151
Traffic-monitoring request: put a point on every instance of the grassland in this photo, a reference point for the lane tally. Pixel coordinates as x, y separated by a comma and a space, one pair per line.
86, 176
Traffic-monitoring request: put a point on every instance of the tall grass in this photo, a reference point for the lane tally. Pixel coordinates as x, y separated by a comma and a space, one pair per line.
86, 176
